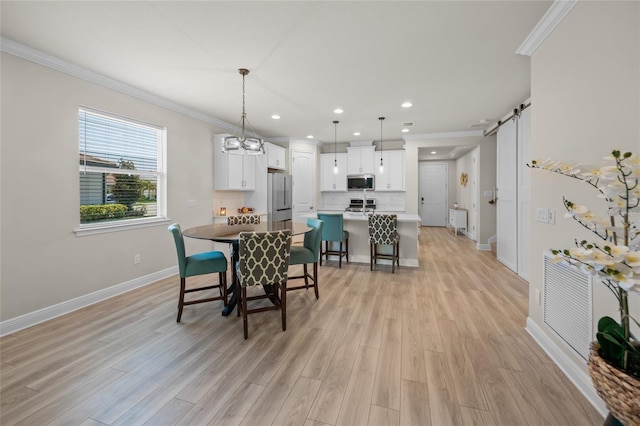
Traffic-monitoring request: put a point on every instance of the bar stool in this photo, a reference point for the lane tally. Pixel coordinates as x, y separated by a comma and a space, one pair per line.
383, 230
333, 232
308, 253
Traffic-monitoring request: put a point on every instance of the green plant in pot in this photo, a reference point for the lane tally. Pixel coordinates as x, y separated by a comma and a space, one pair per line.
614, 257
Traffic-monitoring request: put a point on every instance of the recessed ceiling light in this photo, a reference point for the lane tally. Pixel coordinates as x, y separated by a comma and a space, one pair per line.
433, 152
338, 111
405, 130
309, 136
407, 104
275, 117
356, 133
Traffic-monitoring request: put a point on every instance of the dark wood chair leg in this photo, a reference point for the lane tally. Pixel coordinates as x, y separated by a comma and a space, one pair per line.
393, 260
347, 252
306, 276
222, 280
245, 321
239, 296
315, 279
340, 256
370, 256
283, 304
181, 299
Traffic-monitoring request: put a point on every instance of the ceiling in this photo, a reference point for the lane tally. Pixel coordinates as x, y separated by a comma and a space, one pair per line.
454, 60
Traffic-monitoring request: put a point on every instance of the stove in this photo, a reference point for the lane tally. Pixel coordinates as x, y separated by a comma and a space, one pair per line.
359, 205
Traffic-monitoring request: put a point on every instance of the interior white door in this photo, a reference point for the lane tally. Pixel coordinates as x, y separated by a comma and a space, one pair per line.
303, 171
507, 210
433, 194
524, 193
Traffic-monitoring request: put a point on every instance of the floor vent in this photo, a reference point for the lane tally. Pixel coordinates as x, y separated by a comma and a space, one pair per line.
567, 306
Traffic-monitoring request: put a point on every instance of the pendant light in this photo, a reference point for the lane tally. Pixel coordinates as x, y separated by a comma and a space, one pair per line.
243, 144
381, 165
335, 155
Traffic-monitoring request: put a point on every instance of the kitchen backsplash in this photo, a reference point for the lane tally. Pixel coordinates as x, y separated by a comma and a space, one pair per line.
232, 200
385, 201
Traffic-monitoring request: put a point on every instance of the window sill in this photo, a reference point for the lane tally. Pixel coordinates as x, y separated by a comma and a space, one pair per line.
104, 228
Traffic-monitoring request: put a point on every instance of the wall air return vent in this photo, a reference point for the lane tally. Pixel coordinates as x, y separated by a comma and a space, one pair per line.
567, 304
407, 124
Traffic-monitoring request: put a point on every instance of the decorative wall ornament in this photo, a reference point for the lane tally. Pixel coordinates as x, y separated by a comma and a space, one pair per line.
464, 178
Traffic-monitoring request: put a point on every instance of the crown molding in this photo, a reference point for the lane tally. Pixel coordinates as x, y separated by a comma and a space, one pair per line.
20, 50
555, 14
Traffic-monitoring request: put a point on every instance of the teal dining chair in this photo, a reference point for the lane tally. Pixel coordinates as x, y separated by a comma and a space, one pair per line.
333, 232
383, 230
198, 264
308, 253
264, 260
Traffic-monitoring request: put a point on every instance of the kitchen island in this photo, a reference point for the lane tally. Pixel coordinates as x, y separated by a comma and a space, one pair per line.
358, 226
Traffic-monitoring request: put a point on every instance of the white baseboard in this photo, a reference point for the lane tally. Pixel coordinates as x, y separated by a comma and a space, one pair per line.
483, 247
492, 239
27, 320
578, 377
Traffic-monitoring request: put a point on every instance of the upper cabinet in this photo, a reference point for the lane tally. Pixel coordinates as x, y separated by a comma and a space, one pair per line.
330, 181
392, 178
276, 156
231, 171
360, 159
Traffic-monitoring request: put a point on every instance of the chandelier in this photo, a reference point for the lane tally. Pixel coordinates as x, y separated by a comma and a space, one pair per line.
243, 144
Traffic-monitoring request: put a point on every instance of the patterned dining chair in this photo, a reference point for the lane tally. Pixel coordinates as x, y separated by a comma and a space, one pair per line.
244, 219
308, 253
198, 264
264, 260
383, 230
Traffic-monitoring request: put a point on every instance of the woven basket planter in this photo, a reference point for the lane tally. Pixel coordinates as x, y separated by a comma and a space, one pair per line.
619, 391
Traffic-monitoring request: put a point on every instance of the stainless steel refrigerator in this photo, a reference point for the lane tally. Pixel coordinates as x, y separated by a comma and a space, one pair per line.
279, 189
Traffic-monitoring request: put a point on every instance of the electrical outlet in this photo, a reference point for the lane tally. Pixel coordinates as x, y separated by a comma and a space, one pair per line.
136, 259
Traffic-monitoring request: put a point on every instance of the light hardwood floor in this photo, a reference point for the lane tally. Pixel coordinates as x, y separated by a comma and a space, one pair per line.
442, 344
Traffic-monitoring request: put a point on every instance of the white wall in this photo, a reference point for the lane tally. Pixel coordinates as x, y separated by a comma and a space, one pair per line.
585, 92
43, 262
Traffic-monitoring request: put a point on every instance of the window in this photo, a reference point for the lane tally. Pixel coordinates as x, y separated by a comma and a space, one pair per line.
121, 171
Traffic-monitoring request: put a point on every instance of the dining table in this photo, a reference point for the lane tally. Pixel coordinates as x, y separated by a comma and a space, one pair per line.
230, 234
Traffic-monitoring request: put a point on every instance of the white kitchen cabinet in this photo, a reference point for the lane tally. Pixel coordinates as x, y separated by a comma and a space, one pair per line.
330, 181
360, 159
392, 178
458, 219
232, 172
276, 156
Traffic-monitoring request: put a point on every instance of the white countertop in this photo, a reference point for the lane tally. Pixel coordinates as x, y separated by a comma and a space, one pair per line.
358, 216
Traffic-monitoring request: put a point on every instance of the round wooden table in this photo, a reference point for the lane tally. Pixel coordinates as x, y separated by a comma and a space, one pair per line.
223, 233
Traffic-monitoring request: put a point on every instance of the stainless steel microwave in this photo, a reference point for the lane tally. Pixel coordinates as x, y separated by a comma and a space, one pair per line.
361, 182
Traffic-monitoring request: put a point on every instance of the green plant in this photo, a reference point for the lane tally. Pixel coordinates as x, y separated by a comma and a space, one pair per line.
95, 212
615, 256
